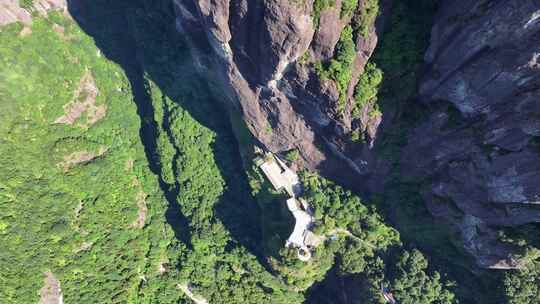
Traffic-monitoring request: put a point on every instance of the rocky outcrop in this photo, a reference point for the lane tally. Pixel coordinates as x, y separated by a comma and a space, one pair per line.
14, 11
263, 54
479, 148
50, 293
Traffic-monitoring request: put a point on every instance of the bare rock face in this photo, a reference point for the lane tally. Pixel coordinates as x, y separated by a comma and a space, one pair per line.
50, 293
11, 10
480, 147
263, 54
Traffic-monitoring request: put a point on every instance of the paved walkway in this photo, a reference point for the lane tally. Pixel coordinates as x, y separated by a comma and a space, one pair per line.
299, 236
302, 224
281, 177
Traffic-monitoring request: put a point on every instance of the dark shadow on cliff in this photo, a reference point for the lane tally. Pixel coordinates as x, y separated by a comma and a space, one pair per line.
140, 36
399, 54
397, 195
336, 289
108, 23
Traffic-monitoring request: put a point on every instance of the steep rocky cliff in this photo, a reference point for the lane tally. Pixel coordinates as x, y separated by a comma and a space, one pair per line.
477, 151
265, 54
479, 146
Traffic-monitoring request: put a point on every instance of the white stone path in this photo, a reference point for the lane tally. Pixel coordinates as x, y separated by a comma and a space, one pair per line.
281, 177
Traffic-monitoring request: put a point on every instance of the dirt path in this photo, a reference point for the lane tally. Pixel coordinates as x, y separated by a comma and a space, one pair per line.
197, 299
84, 101
141, 205
80, 157
348, 233
50, 293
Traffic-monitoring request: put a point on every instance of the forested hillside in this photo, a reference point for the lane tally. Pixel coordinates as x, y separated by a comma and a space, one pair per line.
77, 197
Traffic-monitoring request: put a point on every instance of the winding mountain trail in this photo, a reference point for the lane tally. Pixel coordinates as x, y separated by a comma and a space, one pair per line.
336, 231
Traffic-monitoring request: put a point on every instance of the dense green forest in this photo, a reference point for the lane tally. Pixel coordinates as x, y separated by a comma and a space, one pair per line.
123, 178
77, 197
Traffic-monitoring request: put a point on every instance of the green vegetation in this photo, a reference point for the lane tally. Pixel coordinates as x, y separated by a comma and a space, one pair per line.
340, 68
99, 224
269, 129
359, 238
276, 220
523, 286
455, 119
336, 211
350, 232
366, 90
334, 208
357, 136
355, 239
366, 18
318, 7
304, 59
27, 4
524, 236
339, 213
400, 53
302, 275
399, 56
216, 262
412, 285
84, 224
292, 155
535, 143
347, 8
